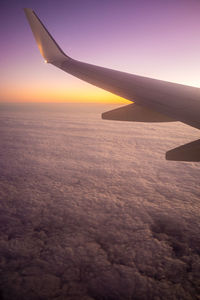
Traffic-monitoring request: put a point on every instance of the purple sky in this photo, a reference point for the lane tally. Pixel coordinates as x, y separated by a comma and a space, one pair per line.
159, 39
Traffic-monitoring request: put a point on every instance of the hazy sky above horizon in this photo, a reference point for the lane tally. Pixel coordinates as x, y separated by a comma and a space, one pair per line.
158, 39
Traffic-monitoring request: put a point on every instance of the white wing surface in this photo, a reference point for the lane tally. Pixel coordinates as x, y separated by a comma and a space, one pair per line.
154, 100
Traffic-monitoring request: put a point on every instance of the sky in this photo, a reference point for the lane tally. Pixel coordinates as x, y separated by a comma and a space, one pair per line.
158, 39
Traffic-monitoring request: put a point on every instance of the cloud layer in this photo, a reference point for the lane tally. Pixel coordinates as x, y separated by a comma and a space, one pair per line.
90, 209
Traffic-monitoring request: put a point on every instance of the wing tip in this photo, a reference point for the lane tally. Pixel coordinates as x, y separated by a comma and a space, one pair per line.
27, 9
48, 47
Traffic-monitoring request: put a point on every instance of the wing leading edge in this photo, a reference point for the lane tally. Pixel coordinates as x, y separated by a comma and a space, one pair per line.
155, 100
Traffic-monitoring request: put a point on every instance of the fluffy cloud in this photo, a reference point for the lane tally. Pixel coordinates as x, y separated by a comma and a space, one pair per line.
90, 209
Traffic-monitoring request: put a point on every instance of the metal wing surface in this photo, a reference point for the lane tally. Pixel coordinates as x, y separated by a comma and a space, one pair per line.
154, 100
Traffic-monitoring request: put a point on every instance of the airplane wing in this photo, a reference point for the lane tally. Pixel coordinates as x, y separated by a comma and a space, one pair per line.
154, 100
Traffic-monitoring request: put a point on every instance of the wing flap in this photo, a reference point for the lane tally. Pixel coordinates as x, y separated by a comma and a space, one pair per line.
187, 152
135, 113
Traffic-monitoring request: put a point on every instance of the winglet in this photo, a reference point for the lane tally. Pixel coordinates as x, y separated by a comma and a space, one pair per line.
48, 47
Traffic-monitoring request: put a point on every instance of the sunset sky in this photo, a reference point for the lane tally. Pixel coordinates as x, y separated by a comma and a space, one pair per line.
158, 39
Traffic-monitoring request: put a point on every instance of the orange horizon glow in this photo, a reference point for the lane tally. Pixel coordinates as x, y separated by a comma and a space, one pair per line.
38, 94
158, 41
